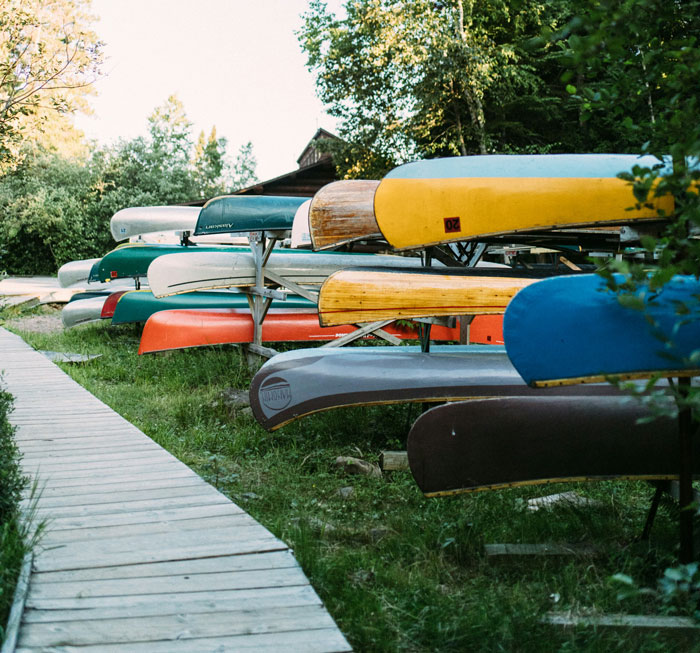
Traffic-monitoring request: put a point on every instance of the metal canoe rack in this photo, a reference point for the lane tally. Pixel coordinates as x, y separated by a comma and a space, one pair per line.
269, 285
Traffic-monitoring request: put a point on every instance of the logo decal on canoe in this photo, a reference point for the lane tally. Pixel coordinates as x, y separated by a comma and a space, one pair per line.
275, 393
452, 225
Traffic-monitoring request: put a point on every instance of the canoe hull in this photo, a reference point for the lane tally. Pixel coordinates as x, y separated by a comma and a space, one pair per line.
238, 213
139, 305
137, 220
181, 329
342, 212
82, 311
367, 295
377, 375
477, 445
178, 273
570, 330
133, 259
444, 200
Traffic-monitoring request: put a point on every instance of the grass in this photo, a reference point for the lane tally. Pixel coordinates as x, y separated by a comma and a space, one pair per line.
398, 571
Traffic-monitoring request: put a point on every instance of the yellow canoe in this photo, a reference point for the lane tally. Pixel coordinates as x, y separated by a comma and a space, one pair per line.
444, 200
369, 294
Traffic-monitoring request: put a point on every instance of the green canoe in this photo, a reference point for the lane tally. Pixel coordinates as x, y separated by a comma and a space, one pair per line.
233, 213
139, 305
133, 259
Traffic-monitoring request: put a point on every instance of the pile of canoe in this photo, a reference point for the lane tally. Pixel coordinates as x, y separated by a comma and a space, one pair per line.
545, 392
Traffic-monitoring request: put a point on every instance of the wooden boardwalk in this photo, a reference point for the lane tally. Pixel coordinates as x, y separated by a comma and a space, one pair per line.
140, 554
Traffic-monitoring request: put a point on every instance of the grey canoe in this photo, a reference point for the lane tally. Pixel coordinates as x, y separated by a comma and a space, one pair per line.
297, 383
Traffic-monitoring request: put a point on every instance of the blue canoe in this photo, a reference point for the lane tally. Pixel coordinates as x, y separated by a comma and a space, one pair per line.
566, 330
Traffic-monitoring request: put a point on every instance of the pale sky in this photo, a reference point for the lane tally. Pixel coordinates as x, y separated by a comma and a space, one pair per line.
236, 64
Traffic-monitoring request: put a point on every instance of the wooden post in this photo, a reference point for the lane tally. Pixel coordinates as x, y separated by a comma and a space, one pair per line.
685, 480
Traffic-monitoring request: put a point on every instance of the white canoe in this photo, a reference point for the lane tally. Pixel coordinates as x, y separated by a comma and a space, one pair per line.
301, 235
82, 311
138, 220
75, 272
172, 274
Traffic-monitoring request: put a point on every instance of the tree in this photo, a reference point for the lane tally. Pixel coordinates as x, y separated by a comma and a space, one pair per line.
634, 67
210, 164
435, 78
242, 172
48, 59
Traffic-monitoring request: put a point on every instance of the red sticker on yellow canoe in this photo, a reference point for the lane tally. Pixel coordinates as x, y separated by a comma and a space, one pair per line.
452, 225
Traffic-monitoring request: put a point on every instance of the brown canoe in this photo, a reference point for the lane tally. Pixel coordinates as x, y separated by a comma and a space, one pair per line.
343, 212
479, 445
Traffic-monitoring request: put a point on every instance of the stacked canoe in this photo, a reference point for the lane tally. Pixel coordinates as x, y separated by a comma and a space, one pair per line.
447, 212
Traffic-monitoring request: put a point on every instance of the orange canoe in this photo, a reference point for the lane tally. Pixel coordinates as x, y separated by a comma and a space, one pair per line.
180, 329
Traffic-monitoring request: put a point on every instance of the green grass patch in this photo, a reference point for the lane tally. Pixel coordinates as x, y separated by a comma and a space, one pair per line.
13, 541
398, 571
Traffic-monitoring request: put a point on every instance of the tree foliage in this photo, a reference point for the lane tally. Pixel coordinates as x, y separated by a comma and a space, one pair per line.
426, 78
49, 57
54, 209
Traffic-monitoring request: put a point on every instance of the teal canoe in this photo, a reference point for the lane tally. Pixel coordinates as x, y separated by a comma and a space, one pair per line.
139, 305
133, 259
232, 213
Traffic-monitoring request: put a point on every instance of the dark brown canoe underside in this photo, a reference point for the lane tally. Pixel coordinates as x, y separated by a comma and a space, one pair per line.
478, 444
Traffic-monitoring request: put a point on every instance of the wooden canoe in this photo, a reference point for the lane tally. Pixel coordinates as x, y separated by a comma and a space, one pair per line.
133, 259
505, 442
178, 273
180, 329
369, 294
300, 238
75, 272
80, 312
139, 305
236, 213
568, 330
460, 198
138, 220
297, 383
342, 212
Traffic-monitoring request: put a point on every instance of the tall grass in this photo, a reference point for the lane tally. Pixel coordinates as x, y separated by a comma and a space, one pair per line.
13, 543
398, 571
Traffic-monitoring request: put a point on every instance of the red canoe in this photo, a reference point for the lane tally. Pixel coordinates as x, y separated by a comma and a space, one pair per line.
179, 329
111, 303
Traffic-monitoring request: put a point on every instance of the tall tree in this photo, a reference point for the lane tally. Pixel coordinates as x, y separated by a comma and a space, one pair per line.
432, 77
49, 57
210, 164
243, 170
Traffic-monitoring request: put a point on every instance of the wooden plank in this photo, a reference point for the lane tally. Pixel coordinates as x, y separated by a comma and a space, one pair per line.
682, 628
176, 627
254, 599
393, 460
181, 584
119, 508
501, 551
270, 560
109, 488
182, 546
239, 520
145, 517
318, 640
